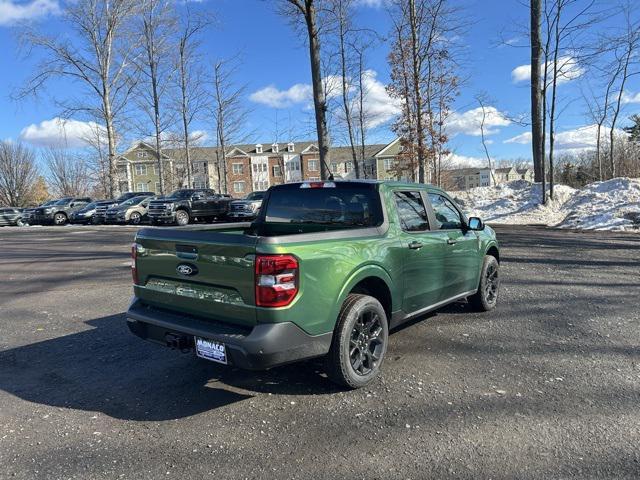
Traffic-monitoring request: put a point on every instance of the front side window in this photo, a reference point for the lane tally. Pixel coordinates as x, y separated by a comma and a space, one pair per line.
447, 216
413, 215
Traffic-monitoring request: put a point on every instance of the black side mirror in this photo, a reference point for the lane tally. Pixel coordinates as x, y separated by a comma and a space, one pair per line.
474, 223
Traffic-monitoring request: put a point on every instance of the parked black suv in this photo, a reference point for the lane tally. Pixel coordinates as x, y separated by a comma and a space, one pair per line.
59, 212
101, 210
183, 206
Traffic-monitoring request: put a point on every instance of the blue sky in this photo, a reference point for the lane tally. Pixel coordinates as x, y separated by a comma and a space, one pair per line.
273, 63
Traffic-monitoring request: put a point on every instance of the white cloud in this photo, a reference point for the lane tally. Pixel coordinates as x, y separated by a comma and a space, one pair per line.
576, 139
272, 97
630, 97
60, 133
523, 138
372, 3
463, 161
13, 11
568, 69
379, 107
468, 123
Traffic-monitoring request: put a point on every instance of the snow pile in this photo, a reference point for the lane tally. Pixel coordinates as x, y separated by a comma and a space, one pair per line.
610, 205
515, 202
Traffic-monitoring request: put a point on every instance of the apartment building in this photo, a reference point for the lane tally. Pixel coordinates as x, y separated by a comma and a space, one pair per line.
251, 167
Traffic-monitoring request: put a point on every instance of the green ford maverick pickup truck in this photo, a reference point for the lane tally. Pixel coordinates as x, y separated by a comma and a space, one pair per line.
326, 270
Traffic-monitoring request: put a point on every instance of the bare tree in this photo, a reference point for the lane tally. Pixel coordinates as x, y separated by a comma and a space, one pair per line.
626, 58
67, 174
192, 100
157, 24
537, 112
97, 60
340, 12
229, 113
482, 100
18, 174
423, 62
305, 11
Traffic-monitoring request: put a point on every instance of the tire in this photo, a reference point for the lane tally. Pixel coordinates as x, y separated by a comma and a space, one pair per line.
182, 217
486, 298
60, 218
21, 223
357, 348
135, 218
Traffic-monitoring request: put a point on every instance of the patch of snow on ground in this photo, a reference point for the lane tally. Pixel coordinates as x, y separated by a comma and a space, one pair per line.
515, 202
609, 205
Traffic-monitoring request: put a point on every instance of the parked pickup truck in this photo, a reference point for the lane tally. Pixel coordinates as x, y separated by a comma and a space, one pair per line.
326, 270
246, 208
183, 206
59, 212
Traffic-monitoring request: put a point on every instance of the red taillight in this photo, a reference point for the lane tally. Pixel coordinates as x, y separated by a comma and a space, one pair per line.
276, 280
134, 263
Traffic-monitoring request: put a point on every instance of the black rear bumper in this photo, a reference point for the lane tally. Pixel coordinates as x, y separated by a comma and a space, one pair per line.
258, 348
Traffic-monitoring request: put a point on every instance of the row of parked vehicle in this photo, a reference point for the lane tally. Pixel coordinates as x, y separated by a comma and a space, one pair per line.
179, 208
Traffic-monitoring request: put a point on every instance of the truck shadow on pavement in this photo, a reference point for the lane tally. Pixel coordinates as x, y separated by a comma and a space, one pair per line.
107, 369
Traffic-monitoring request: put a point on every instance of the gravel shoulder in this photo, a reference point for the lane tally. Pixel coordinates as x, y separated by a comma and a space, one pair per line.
547, 386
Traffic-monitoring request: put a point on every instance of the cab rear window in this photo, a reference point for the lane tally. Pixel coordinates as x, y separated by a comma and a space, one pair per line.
342, 204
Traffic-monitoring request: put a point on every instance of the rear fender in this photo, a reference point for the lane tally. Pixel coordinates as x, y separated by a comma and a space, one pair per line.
366, 271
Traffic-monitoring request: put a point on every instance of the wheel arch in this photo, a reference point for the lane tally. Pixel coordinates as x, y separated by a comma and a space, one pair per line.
371, 280
492, 249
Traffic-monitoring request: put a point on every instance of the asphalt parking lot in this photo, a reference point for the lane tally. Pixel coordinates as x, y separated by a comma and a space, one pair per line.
547, 386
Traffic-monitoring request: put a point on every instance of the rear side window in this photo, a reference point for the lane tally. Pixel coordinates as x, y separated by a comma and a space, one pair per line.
347, 205
447, 216
413, 215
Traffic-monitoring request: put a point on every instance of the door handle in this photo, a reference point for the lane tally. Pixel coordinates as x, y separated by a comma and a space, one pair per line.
415, 245
451, 241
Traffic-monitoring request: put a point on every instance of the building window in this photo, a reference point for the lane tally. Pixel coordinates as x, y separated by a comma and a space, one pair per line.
388, 163
314, 179
274, 148
238, 187
291, 148
141, 154
348, 166
157, 190
294, 166
334, 167
261, 185
237, 168
140, 187
258, 148
141, 169
199, 184
313, 165
276, 171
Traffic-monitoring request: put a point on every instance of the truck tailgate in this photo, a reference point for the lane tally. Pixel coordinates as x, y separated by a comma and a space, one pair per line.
208, 273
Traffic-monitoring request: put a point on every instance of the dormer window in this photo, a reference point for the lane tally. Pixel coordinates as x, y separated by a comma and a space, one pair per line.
274, 148
291, 147
259, 148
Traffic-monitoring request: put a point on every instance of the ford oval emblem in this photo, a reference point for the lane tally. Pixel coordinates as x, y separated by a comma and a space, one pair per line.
187, 269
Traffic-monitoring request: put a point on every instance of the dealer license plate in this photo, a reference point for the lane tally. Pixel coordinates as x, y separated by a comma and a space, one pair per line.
211, 350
